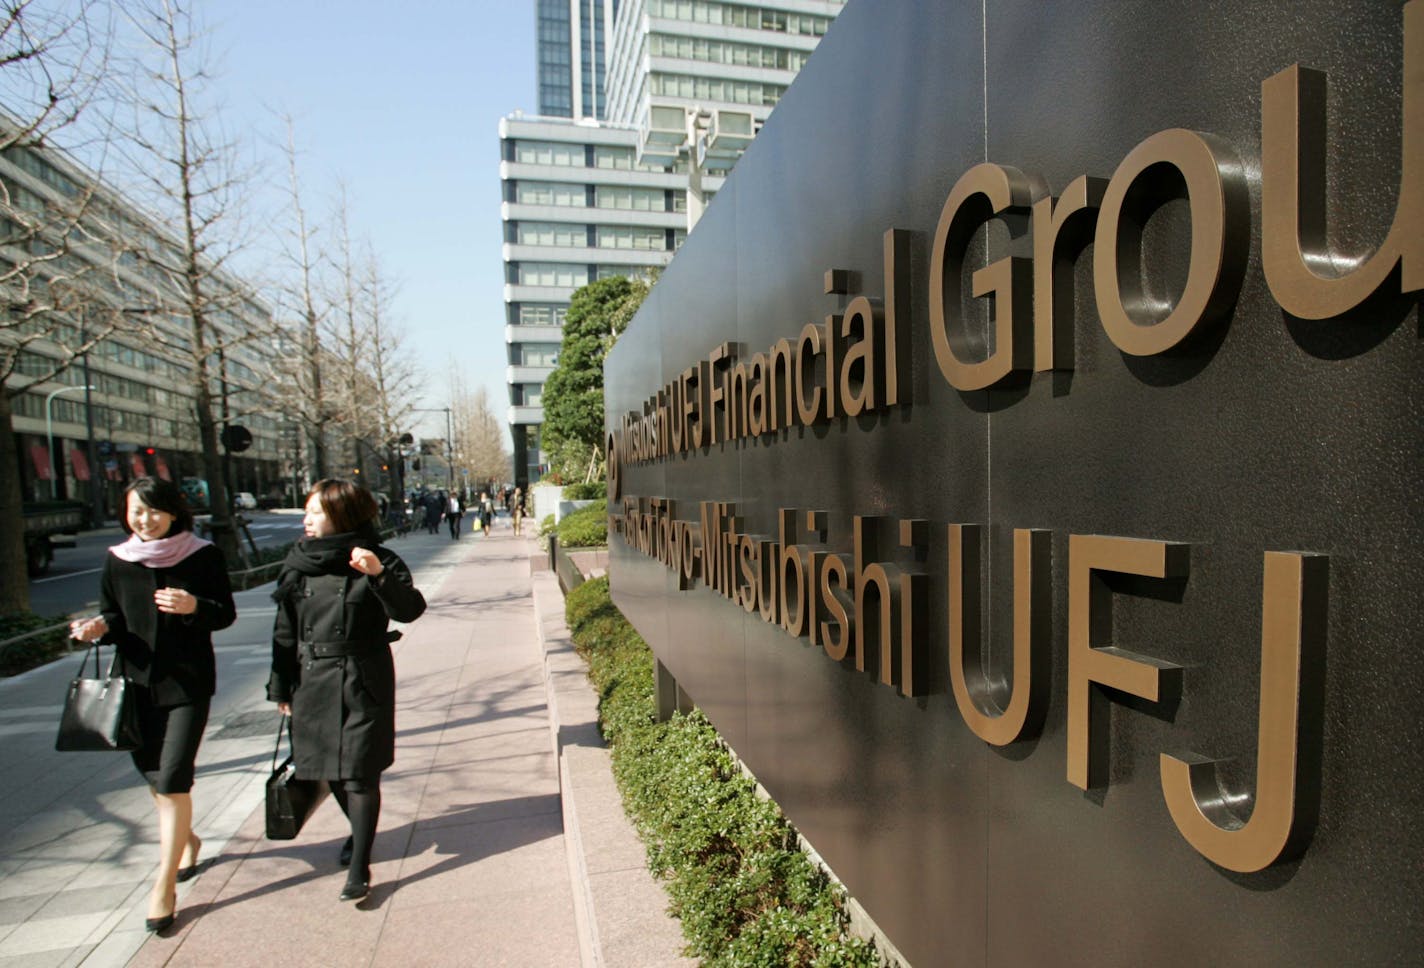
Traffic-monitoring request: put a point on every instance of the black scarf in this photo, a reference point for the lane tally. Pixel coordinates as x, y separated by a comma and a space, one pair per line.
330, 555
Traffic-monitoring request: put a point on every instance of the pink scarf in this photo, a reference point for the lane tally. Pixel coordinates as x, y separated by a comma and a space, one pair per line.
161, 552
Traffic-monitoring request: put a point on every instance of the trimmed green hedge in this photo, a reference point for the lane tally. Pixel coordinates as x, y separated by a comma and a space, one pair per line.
586, 491
584, 528
745, 893
23, 656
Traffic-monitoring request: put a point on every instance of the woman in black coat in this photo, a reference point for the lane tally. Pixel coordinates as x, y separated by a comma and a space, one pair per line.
332, 670
163, 593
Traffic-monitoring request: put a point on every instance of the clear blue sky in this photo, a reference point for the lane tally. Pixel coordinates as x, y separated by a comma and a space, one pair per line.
401, 102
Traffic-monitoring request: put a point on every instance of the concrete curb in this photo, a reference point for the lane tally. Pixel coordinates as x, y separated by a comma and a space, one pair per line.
621, 908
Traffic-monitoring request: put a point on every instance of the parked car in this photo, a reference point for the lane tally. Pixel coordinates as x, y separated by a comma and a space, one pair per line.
245, 501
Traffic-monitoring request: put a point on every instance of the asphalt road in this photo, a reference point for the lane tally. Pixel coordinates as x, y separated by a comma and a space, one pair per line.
72, 582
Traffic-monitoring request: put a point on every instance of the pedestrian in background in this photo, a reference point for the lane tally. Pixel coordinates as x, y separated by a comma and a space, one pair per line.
162, 595
434, 507
486, 512
454, 514
516, 510
332, 669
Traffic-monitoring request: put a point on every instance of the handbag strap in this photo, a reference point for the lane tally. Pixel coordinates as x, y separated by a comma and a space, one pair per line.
283, 723
94, 649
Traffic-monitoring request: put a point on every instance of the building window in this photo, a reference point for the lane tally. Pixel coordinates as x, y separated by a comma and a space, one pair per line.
552, 274
631, 237
536, 314
611, 156
715, 89
538, 354
549, 153
552, 233
550, 193
629, 199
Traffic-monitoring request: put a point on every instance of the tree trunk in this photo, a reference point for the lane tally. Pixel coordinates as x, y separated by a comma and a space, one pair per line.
224, 536
14, 577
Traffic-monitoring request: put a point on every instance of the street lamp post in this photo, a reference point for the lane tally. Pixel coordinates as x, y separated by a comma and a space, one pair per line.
49, 436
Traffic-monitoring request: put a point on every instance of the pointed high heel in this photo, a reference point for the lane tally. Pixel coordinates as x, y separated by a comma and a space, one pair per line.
191, 871
159, 925
356, 890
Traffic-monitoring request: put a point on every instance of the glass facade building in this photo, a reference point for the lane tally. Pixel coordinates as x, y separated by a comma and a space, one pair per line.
583, 196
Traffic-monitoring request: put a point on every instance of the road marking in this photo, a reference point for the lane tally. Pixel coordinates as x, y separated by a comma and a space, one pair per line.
77, 574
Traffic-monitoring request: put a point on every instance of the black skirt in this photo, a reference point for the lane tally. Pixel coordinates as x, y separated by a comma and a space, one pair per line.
171, 735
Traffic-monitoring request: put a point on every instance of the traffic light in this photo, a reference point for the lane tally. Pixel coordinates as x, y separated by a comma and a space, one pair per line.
149, 451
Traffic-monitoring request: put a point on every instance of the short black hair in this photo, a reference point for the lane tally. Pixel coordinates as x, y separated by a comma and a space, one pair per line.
162, 496
347, 504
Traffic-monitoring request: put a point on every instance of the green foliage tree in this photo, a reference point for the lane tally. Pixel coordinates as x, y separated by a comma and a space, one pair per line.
573, 393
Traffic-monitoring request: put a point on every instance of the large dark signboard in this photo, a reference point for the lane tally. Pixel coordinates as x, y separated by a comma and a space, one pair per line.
1020, 464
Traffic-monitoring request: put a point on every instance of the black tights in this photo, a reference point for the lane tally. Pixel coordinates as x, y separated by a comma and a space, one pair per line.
360, 800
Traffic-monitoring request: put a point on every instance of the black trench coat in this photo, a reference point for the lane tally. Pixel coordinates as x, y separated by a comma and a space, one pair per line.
343, 705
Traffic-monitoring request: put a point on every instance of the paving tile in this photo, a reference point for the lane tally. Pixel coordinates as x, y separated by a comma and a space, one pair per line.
14, 910
50, 934
529, 929
92, 900
477, 859
39, 959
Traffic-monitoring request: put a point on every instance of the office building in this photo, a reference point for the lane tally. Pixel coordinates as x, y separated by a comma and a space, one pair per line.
688, 84
136, 416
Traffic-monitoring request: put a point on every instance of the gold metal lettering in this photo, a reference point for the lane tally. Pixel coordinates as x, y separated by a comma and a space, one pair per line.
756, 396
1221, 229
1092, 659
1294, 595
1061, 229
808, 347
978, 693
860, 327
895, 246
1307, 278
748, 555
983, 192
837, 282
832, 605
832, 342
779, 385
875, 633
791, 570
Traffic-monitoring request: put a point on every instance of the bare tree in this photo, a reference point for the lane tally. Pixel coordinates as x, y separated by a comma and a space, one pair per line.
55, 259
353, 398
309, 403
191, 173
479, 440
392, 372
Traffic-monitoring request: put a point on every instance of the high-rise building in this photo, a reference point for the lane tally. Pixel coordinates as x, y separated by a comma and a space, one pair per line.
688, 83
572, 63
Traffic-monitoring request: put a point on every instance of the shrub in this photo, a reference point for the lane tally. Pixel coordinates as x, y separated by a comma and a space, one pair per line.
33, 652
584, 528
587, 491
547, 526
743, 891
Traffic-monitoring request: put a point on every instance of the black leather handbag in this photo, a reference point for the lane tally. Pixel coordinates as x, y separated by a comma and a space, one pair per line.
290, 801
99, 713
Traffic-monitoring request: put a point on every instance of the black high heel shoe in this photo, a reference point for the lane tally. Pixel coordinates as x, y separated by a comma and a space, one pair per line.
356, 890
159, 925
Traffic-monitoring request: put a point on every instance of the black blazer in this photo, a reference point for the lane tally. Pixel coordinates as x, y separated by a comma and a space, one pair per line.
170, 654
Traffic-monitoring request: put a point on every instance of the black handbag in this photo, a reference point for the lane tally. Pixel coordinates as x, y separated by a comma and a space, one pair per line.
290, 801
99, 713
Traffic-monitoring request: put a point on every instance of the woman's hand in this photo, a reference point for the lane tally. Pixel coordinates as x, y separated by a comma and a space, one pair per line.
285, 708
366, 562
88, 629
175, 601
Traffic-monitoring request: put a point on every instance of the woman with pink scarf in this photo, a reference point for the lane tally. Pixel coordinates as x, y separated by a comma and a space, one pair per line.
163, 593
